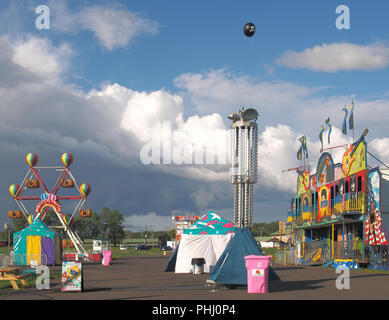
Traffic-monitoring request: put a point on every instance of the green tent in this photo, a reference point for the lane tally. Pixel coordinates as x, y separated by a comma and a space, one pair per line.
38, 243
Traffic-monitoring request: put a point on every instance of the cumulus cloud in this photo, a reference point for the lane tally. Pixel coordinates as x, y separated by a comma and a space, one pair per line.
380, 146
276, 147
117, 117
147, 111
338, 57
39, 56
113, 26
299, 106
278, 153
113, 117
116, 28
105, 127
225, 92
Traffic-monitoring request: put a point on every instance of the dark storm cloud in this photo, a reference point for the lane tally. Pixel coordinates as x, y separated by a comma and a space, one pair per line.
43, 115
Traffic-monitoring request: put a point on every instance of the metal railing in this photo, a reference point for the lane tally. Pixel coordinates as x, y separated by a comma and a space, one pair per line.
316, 251
321, 252
347, 249
340, 204
285, 257
350, 202
93, 256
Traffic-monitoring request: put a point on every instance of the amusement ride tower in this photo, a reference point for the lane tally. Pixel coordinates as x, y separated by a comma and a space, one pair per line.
244, 150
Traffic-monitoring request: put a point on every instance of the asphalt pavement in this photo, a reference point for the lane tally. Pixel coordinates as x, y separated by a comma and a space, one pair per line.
143, 278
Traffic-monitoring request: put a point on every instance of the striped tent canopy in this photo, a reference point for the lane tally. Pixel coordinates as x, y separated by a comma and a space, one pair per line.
211, 223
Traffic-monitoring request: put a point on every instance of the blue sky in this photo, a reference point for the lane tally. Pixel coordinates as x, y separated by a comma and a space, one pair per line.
197, 36
78, 86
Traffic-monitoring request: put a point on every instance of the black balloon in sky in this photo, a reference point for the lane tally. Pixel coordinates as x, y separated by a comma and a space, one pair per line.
249, 29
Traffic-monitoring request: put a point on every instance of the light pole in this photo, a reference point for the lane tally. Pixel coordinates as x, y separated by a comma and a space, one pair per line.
6, 227
260, 229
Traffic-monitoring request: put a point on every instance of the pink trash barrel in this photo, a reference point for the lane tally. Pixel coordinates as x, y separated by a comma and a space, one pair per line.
107, 255
257, 273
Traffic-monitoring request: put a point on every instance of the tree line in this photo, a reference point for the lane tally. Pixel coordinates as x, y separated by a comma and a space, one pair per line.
108, 225
263, 229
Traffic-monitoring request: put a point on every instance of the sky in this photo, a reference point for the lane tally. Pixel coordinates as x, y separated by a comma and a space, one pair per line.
108, 80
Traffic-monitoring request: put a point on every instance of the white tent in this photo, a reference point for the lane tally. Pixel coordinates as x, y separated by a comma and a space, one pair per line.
209, 247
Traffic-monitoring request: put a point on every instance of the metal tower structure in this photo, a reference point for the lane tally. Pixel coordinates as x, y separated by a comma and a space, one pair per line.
244, 150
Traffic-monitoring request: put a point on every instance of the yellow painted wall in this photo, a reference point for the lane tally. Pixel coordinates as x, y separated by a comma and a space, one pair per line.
33, 249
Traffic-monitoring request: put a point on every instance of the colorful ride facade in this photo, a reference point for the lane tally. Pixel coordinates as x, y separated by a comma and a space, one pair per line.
342, 211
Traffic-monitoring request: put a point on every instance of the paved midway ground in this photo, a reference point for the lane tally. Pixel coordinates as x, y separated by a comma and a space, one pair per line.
143, 278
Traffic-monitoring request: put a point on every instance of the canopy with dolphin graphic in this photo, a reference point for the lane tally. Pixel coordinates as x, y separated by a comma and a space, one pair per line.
211, 223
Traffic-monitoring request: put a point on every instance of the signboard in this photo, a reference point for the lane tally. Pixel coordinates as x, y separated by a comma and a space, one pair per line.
97, 245
354, 159
48, 203
303, 179
72, 276
182, 223
281, 227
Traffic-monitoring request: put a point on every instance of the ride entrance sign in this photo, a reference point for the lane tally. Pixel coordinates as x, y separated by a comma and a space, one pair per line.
72, 276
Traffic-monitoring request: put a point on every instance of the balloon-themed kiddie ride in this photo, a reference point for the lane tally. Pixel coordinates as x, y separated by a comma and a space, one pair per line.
33, 198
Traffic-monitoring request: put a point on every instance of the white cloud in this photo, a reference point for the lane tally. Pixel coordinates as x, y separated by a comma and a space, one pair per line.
39, 56
111, 119
107, 123
380, 147
224, 92
277, 146
147, 111
337, 57
157, 118
301, 107
278, 152
113, 26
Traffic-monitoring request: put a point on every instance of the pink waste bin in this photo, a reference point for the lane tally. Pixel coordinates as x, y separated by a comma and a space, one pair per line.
257, 273
107, 256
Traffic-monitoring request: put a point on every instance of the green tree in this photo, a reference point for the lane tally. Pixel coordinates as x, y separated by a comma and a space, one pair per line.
112, 225
264, 229
81, 227
95, 227
171, 234
88, 228
51, 219
163, 239
19, 224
